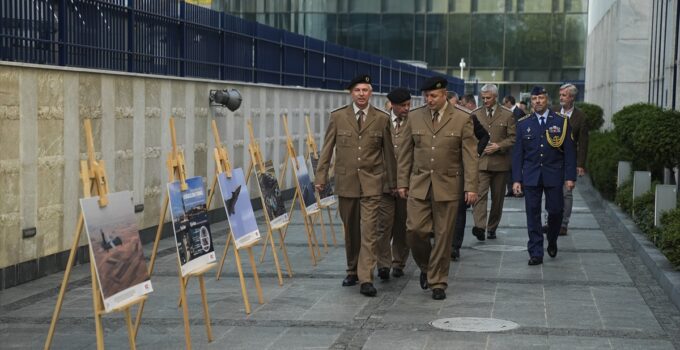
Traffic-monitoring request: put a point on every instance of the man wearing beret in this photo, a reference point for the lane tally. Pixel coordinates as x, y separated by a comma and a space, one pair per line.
364, 164
436, 163
392, 207
543, 161
494, 162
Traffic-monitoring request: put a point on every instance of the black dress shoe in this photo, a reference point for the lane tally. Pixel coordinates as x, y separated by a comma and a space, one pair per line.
384, 273
455, 254
479, 233
423, 280
350, 280
491, 235
397, 272
368, 290
509, 194
544, 229
438, 294
535, 260
552, 249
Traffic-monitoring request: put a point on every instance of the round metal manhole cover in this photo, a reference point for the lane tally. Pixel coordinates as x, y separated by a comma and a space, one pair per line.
500, 248
473, 324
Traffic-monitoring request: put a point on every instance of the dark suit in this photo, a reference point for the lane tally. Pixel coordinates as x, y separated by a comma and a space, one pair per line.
579, 129
518, 113
542, 168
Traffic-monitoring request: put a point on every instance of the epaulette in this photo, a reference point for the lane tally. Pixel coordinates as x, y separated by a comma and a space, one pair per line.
506, 108
463, 109
382, 110
524, 117
417, 108
480, 108
339, 108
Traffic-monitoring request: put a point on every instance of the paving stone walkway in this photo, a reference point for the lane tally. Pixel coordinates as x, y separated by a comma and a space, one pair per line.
596, 294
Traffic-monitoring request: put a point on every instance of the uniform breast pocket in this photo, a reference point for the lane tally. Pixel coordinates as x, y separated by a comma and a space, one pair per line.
528, 138
376, 139
452, 140
344, 138
418, 137
500, 130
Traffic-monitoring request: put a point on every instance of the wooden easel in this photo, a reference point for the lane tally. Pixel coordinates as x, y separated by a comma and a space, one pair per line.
308, 217
256, 160
93, 176
313, 151
176, 171
224, 166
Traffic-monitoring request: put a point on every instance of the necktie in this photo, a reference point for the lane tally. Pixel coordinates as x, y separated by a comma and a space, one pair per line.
435, 119
542, 120
398, 120
360, 119
489, 112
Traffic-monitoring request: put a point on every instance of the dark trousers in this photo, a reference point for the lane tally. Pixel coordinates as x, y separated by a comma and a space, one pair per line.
459, 229
554, 202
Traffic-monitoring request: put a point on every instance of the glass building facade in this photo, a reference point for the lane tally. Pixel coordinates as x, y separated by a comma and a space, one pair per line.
513, 43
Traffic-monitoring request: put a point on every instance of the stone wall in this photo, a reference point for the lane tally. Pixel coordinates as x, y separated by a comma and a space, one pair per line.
41, 137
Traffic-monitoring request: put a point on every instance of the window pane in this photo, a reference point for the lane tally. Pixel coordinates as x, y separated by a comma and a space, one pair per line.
319, 25
487, 46
528, 40
489, 6
460, 6
363, 6
397, 36
419, 43
459, 40
437, 6
574, 40
535, 6
435, 40
402, 6
359, 31
576, 5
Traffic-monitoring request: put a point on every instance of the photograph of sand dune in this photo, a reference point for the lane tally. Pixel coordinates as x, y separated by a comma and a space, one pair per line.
114, 241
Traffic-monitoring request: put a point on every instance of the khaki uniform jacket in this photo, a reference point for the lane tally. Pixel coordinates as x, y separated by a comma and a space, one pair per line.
444, 158
362, 157
501, 129
397, 141
579, 129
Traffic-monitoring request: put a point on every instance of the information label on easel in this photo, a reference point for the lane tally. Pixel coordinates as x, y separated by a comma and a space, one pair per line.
306, 186
190, 223
269, 186
326, 196
116, 247
239, 209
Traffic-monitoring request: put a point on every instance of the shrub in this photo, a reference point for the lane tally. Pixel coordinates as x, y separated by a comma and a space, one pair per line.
643, 215
624, 197
628, 119
654, 139
670, 236
604, 154
593, 113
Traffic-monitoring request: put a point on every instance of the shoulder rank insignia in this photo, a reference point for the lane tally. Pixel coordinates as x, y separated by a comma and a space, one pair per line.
339, 108
463, 109
524, 118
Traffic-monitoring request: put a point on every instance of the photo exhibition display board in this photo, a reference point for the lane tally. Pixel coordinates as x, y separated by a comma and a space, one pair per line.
114, 240
326, 196
239, 208
190, 223
269, 187
306, 186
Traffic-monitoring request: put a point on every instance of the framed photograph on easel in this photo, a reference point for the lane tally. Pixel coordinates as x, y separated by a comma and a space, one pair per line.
269, 186
239, 209
306, 186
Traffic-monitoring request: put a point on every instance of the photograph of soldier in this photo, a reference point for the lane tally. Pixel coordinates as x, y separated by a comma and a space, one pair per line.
361, 134
325, 195
436, 163
190, 224
239, 209
269, 187
306, 186
392, 248
543, 162
114, 241
494, 161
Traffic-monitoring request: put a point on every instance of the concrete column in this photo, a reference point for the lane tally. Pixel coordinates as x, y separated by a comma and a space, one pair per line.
665, 199
623, 172
642, 183
28, 154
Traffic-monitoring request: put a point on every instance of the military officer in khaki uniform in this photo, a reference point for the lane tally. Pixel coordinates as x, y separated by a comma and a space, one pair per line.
494, 162
392, 207
436, 163
365, 154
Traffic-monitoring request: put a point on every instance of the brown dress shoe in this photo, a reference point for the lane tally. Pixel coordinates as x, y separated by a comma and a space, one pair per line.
563, 231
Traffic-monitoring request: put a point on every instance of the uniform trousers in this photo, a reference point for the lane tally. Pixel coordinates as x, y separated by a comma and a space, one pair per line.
459, 226
568, 203
392, 227
495, 182
554, 203
360, 218
426, 217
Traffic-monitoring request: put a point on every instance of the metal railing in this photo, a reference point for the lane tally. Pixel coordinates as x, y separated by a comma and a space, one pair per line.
171, 37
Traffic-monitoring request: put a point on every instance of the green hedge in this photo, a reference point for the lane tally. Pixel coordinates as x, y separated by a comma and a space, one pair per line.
594, 115
624, 197
604, 154
627, 123
655, 139
670, 236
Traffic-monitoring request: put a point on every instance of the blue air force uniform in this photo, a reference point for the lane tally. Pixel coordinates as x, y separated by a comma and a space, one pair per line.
543, 168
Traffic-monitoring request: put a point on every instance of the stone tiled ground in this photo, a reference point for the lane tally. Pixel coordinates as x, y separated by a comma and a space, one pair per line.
595, 295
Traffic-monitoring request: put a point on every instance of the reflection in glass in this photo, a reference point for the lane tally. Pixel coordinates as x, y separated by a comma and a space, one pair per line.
396, 37
487, 42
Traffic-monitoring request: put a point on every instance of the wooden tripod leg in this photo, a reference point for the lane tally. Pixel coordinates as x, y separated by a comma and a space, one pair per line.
212, 193
186, 283
330, 220
313, 234
130, 329
64, 282
206, 312
264, 246
285, 253
242, 280
152, 261
96, 304
260, 298
276, 258
224, 256
323, 231
185, 312
310, 244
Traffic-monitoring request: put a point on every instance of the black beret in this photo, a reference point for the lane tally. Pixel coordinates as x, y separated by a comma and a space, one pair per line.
432, 83
399, 95
538, 90
361, 79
